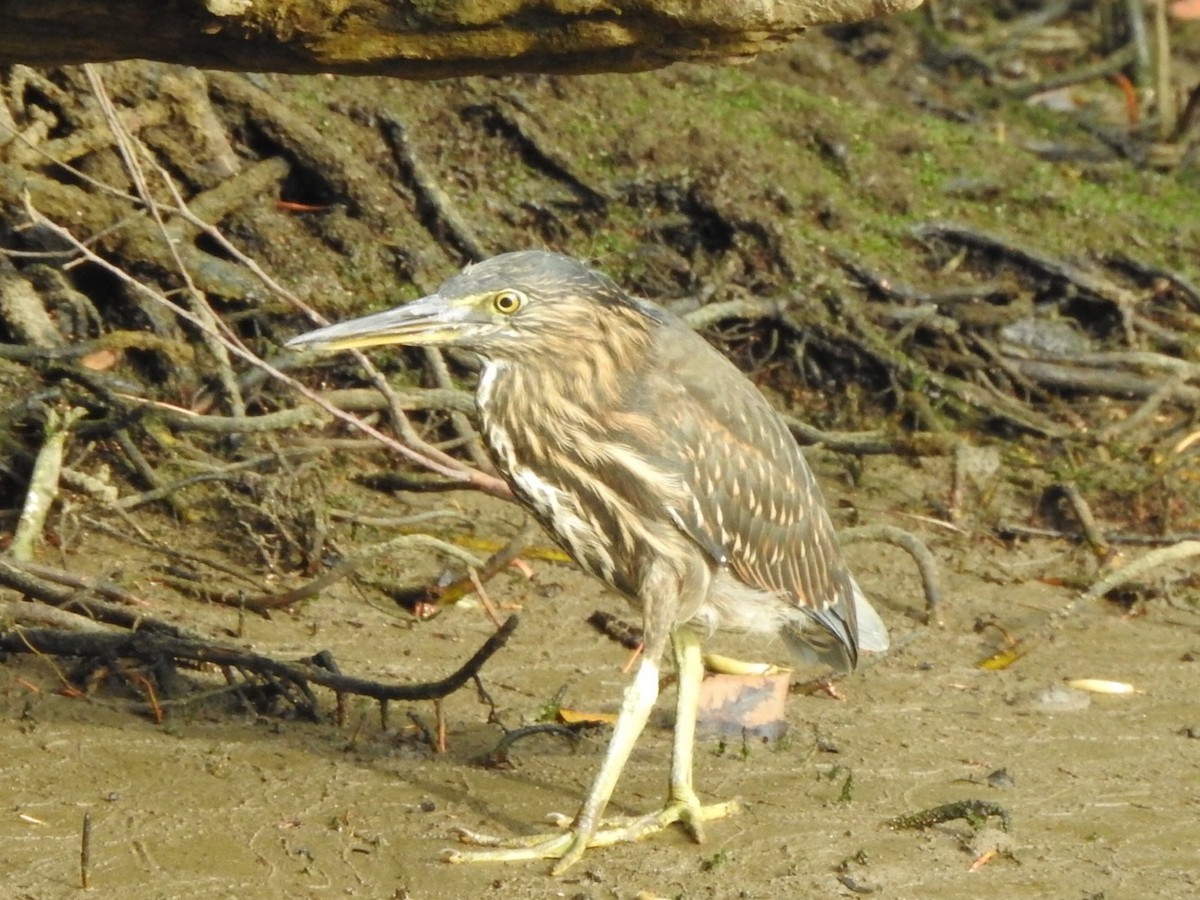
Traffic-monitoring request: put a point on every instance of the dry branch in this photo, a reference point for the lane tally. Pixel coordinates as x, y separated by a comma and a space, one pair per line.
152, 649
912, 545
1160, 556
43, 483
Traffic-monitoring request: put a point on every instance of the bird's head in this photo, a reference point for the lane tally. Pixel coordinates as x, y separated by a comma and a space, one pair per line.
527, 304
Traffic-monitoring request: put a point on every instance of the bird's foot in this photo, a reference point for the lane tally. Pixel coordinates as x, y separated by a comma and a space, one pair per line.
565, 846
568, 845
686, 811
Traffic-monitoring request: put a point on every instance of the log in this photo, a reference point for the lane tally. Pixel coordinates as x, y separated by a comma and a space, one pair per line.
417, 39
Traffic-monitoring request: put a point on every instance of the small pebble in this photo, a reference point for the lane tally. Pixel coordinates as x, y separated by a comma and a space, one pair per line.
1057, 699
1000, 779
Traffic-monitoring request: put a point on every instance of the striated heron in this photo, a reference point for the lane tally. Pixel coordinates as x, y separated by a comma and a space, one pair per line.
662, 470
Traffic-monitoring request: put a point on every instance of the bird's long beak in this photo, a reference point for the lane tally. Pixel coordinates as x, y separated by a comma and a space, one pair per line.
430, 320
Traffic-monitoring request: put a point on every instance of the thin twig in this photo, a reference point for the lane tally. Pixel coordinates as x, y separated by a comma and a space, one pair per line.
498, 755
1087, 521
1009, 530
395, 406
458, 472
462, 424
417, 449
127, 147
85, 852
481, 592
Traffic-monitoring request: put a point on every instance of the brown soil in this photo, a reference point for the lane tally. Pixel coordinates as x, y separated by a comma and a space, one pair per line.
842, 144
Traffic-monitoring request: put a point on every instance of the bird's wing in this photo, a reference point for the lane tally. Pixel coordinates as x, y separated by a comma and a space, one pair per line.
751, 501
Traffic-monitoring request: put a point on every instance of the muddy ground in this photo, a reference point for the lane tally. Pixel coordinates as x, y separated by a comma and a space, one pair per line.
842, 143
217, 803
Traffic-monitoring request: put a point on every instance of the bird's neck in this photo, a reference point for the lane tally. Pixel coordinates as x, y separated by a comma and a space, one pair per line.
590, 372
515, 395
529, 405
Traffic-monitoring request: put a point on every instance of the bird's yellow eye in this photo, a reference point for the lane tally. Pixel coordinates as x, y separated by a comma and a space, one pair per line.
507, 302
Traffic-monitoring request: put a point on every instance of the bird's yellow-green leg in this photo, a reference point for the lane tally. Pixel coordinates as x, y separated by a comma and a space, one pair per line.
682, 800
586, 829
568, 846
682, 806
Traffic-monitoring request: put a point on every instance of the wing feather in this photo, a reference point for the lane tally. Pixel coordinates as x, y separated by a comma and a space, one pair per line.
754, 504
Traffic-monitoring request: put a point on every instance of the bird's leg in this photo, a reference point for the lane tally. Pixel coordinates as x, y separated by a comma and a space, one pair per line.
689, 668
587, 829
581, 832
682, 806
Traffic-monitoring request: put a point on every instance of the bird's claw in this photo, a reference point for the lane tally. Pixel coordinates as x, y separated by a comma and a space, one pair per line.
688, 813
567, 847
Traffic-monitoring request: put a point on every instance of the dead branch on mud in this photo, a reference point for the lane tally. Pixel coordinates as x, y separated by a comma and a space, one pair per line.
1131, 571
80, 623
926, 565
247, 673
